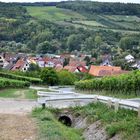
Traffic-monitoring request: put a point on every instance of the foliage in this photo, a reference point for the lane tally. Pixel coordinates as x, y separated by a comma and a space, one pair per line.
49, 76
8, 83
51, 129
102, 7
59, 30
125, 82
33, 67
22, 78
66, 78
124, 122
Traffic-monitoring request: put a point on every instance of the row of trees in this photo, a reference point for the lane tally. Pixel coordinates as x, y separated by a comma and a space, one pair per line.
102, 7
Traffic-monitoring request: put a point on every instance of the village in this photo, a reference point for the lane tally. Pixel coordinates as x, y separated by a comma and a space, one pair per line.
66, 61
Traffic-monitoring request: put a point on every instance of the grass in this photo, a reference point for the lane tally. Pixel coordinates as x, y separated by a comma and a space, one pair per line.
51, 129
18, 93
124, 122
89, 23
52, 13
123, 18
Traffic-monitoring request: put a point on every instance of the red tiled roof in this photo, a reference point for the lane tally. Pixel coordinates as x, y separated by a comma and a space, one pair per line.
19, 65
82, 69
70, 68
105, 70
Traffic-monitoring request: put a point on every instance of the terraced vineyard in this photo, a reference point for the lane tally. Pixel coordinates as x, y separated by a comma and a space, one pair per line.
52, 13
119, 23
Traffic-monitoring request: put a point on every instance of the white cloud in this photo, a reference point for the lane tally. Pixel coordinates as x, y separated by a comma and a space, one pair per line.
124, 1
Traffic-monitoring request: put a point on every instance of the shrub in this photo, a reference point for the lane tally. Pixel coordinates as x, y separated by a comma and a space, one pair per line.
49, 76
66, 78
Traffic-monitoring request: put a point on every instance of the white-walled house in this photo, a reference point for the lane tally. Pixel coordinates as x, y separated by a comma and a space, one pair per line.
1, 61
129, 58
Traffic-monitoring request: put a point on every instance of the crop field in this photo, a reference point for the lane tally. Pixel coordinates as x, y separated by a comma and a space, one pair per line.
89, 23
123, 18
52, 13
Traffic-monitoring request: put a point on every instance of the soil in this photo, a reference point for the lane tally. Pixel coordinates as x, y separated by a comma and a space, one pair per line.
15, 121
17, 127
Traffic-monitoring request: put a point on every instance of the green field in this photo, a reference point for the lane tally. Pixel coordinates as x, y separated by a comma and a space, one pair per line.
52, 13
18, 93
68, 17
123, 18
89, 23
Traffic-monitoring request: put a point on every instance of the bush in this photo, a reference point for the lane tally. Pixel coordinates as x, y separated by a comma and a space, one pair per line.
4, 83
66, 78
49, 76
23, 78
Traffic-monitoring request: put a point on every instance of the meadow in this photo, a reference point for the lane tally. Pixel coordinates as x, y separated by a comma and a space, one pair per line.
52, 13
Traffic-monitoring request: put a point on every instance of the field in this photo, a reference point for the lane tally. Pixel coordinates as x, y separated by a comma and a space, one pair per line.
52, 13
18, 93
117, 23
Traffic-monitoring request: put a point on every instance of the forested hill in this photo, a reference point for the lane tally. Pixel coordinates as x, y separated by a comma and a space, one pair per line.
11, 10
50, 29
102, 7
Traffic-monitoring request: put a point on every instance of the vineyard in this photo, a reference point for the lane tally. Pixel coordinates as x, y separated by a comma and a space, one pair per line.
4, 83
125, 83
22, 78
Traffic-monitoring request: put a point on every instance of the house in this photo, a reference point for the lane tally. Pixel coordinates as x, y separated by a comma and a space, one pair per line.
22, 65
72, 69
58, 67
82, 69
129, 58
136, 65
1, 61
106, 62
100, 71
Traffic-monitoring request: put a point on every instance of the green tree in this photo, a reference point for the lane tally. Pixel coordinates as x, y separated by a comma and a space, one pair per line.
98, 40
66, 78
49, 76
33, 67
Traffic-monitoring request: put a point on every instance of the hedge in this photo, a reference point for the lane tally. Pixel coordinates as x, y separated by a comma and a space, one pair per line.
125, 82
23, 78
4, 82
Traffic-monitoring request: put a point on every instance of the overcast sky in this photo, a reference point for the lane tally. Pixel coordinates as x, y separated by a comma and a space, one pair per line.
130, 1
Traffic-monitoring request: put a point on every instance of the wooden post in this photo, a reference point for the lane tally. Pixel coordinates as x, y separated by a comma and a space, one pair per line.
109, 103
139, 111
116, 106
43, 106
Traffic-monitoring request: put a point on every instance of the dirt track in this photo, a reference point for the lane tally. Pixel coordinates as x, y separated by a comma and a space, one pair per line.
15, 121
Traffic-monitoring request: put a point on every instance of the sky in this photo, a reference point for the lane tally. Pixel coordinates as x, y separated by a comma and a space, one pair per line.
124, 1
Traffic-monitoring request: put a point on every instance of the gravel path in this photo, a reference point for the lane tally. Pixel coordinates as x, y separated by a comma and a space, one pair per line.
15, 106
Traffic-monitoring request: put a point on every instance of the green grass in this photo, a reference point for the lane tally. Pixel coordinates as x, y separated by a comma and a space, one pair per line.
89, 23
51, 129
18, 93
123, 18
52, 13
124, 122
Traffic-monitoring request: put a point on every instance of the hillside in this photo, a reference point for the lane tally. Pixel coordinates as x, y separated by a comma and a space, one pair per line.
38, 28
53, 13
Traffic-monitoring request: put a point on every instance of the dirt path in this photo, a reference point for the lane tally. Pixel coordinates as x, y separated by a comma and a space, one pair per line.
17, 127
15, 121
